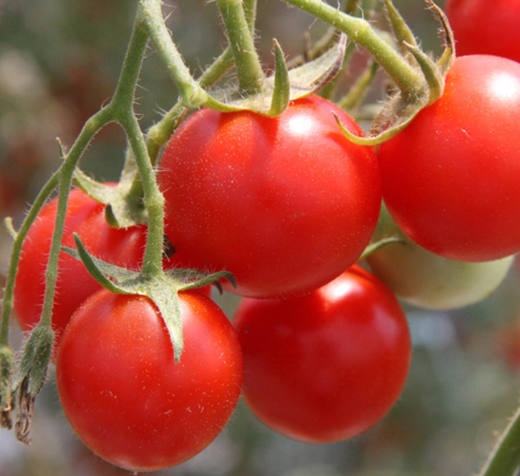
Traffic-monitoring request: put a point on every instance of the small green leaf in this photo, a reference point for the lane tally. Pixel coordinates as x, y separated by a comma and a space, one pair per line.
62, 148
377, 138
100, 192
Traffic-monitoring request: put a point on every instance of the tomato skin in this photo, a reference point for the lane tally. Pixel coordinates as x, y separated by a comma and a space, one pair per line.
450, 179
85, 216
124, 395
326, 366
284, 204
483, 27
427, 280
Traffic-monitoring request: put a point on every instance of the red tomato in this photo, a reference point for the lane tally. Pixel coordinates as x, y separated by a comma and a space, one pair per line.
484, 27
427, 280
284, 204
328, 365
124, 395
85, 216
451, 178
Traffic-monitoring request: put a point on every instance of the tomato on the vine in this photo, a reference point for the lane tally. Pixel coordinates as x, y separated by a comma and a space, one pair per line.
284, 204
427, 280
122, 391
450, 178
328, 365
85, 216
484, 27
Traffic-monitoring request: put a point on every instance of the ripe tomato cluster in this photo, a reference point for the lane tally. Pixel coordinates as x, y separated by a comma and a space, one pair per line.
319, 347
287, 205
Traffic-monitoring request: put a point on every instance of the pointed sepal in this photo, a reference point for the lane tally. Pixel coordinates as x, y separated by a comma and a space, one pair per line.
448, 56
106, 274
281, 83
162, 290
303, 80
310, 77
430, 70
403, 33
124, 204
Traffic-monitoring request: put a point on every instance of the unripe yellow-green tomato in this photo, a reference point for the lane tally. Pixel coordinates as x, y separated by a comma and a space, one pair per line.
426, 280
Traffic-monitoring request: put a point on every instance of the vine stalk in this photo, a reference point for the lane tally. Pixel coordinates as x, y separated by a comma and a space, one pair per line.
505, 458
409, 81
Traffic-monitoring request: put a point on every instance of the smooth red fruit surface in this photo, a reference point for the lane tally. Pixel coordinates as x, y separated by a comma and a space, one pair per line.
427, 280
451, 178
85, 216
326, 366
284, 204
484, 27
124, 395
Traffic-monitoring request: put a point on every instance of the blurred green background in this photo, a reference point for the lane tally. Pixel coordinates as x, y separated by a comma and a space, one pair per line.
59, 62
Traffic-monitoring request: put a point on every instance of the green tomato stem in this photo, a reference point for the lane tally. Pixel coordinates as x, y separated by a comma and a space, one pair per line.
121, 102
122, 106
65, 174
7, 303
153, 200
249, 70
505, 458
159, 133
151, 16
407, 79
250, 7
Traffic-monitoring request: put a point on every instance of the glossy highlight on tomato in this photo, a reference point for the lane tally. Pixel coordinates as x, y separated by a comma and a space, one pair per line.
326, 366
450, 178
284, 204
124, 395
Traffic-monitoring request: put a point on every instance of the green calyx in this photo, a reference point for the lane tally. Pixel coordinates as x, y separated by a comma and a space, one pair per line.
124, 200
162, 288
402, 107
31, 377
284, 85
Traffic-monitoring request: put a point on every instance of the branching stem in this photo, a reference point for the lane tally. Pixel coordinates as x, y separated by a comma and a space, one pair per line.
359, 30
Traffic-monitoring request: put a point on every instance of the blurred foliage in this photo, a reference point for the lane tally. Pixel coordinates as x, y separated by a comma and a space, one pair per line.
59, 61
